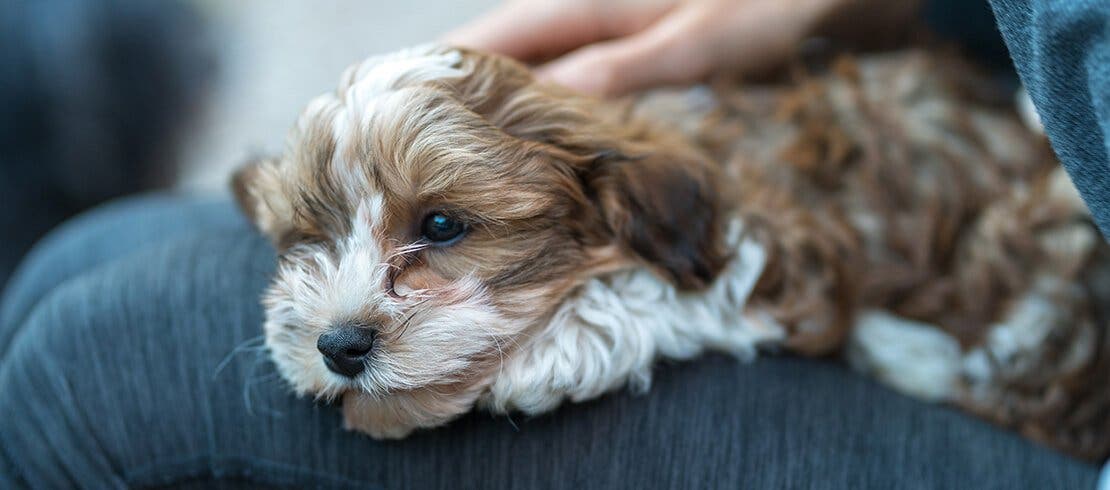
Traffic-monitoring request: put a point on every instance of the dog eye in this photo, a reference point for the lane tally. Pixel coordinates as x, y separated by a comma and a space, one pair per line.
440, 228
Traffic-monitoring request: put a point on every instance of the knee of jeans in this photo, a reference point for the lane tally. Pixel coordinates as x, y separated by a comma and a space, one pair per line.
75, 336
133, 304
126, 310
99, 237
102, 234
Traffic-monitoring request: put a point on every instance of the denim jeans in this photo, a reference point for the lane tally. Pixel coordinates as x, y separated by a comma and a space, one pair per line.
1061, 49
132, 358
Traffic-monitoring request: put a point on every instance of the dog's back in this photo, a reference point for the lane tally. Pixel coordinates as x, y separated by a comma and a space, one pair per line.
911, 216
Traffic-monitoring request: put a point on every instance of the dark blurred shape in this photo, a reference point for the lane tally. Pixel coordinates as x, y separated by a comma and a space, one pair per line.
95, 95
971, 25
964, 27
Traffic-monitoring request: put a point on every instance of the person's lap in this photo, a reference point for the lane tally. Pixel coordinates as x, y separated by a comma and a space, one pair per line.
135, 360
100, 236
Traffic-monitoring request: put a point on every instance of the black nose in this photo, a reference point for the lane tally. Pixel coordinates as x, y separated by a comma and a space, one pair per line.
346, 348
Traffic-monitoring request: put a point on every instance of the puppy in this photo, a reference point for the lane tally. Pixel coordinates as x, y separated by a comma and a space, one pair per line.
453, 233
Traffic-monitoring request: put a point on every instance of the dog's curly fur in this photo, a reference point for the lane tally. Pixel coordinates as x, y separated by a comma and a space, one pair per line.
883, 209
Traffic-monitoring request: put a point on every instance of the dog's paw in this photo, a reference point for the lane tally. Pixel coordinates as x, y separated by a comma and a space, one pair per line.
915, 358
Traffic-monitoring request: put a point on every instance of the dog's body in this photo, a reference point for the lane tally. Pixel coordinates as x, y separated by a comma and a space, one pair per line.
882, 209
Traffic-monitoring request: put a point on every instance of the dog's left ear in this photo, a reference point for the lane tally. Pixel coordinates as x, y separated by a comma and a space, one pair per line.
262, 199
663, 205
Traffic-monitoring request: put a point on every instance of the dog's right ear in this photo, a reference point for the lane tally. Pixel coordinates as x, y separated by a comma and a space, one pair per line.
262, 198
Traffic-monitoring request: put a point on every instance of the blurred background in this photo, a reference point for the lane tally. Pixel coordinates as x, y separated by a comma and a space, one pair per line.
104, 98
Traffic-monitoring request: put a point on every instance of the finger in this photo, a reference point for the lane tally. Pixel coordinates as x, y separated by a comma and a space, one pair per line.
666, 53
529, 31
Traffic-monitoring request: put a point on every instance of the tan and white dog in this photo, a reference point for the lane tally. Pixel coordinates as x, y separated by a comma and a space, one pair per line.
453, 233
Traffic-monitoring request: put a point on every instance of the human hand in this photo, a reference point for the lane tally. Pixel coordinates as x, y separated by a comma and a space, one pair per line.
612, 47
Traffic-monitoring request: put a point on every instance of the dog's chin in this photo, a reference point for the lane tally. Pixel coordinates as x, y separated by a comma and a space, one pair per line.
395, 414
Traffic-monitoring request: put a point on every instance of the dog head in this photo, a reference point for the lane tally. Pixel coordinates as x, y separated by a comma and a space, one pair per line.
432, 213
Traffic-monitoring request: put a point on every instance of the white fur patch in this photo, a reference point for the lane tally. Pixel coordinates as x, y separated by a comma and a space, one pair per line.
611, 333
915, 358
1027, 111
1015, 346
923, 361
346, 282
365, 83
431, 351
1026, 328
370, 90
379, 74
